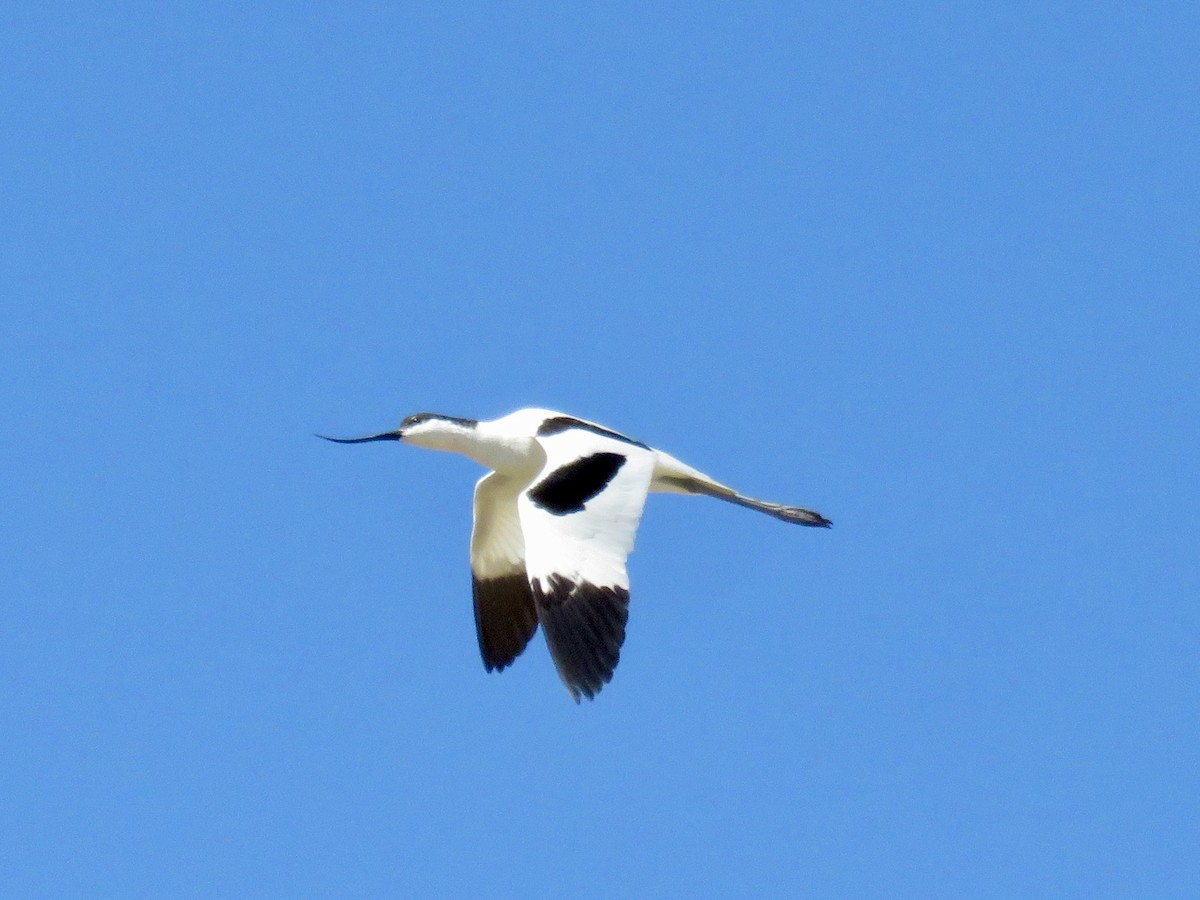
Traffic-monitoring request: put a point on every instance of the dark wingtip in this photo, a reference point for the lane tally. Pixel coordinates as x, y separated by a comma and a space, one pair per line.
807, 517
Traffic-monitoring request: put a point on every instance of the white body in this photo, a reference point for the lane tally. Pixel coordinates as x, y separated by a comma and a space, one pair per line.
510, 446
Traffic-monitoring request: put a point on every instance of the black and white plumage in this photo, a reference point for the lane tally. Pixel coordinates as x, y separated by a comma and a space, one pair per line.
555, 519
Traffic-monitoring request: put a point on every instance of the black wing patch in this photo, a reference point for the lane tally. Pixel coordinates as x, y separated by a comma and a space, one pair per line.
569, 487
505, 618
585, 628
557, 424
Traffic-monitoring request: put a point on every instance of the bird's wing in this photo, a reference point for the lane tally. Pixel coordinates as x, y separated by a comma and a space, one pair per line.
505, 615
579, 517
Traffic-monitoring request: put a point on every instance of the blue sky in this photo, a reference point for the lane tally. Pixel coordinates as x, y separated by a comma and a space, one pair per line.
932, 270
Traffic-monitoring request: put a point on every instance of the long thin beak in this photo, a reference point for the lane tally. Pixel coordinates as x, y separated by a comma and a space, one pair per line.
386, 436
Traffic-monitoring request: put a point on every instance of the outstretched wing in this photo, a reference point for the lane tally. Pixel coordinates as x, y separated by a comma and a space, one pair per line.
505, 615
579, 517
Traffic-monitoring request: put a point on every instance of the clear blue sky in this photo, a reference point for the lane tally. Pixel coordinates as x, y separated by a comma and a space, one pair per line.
932, 270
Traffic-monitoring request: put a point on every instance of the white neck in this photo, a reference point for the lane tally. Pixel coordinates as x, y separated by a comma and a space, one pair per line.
496, 448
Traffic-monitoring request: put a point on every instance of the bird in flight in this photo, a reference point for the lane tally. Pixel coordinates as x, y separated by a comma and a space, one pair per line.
554, 522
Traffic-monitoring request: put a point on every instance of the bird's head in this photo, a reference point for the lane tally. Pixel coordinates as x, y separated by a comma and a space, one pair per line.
430, 430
